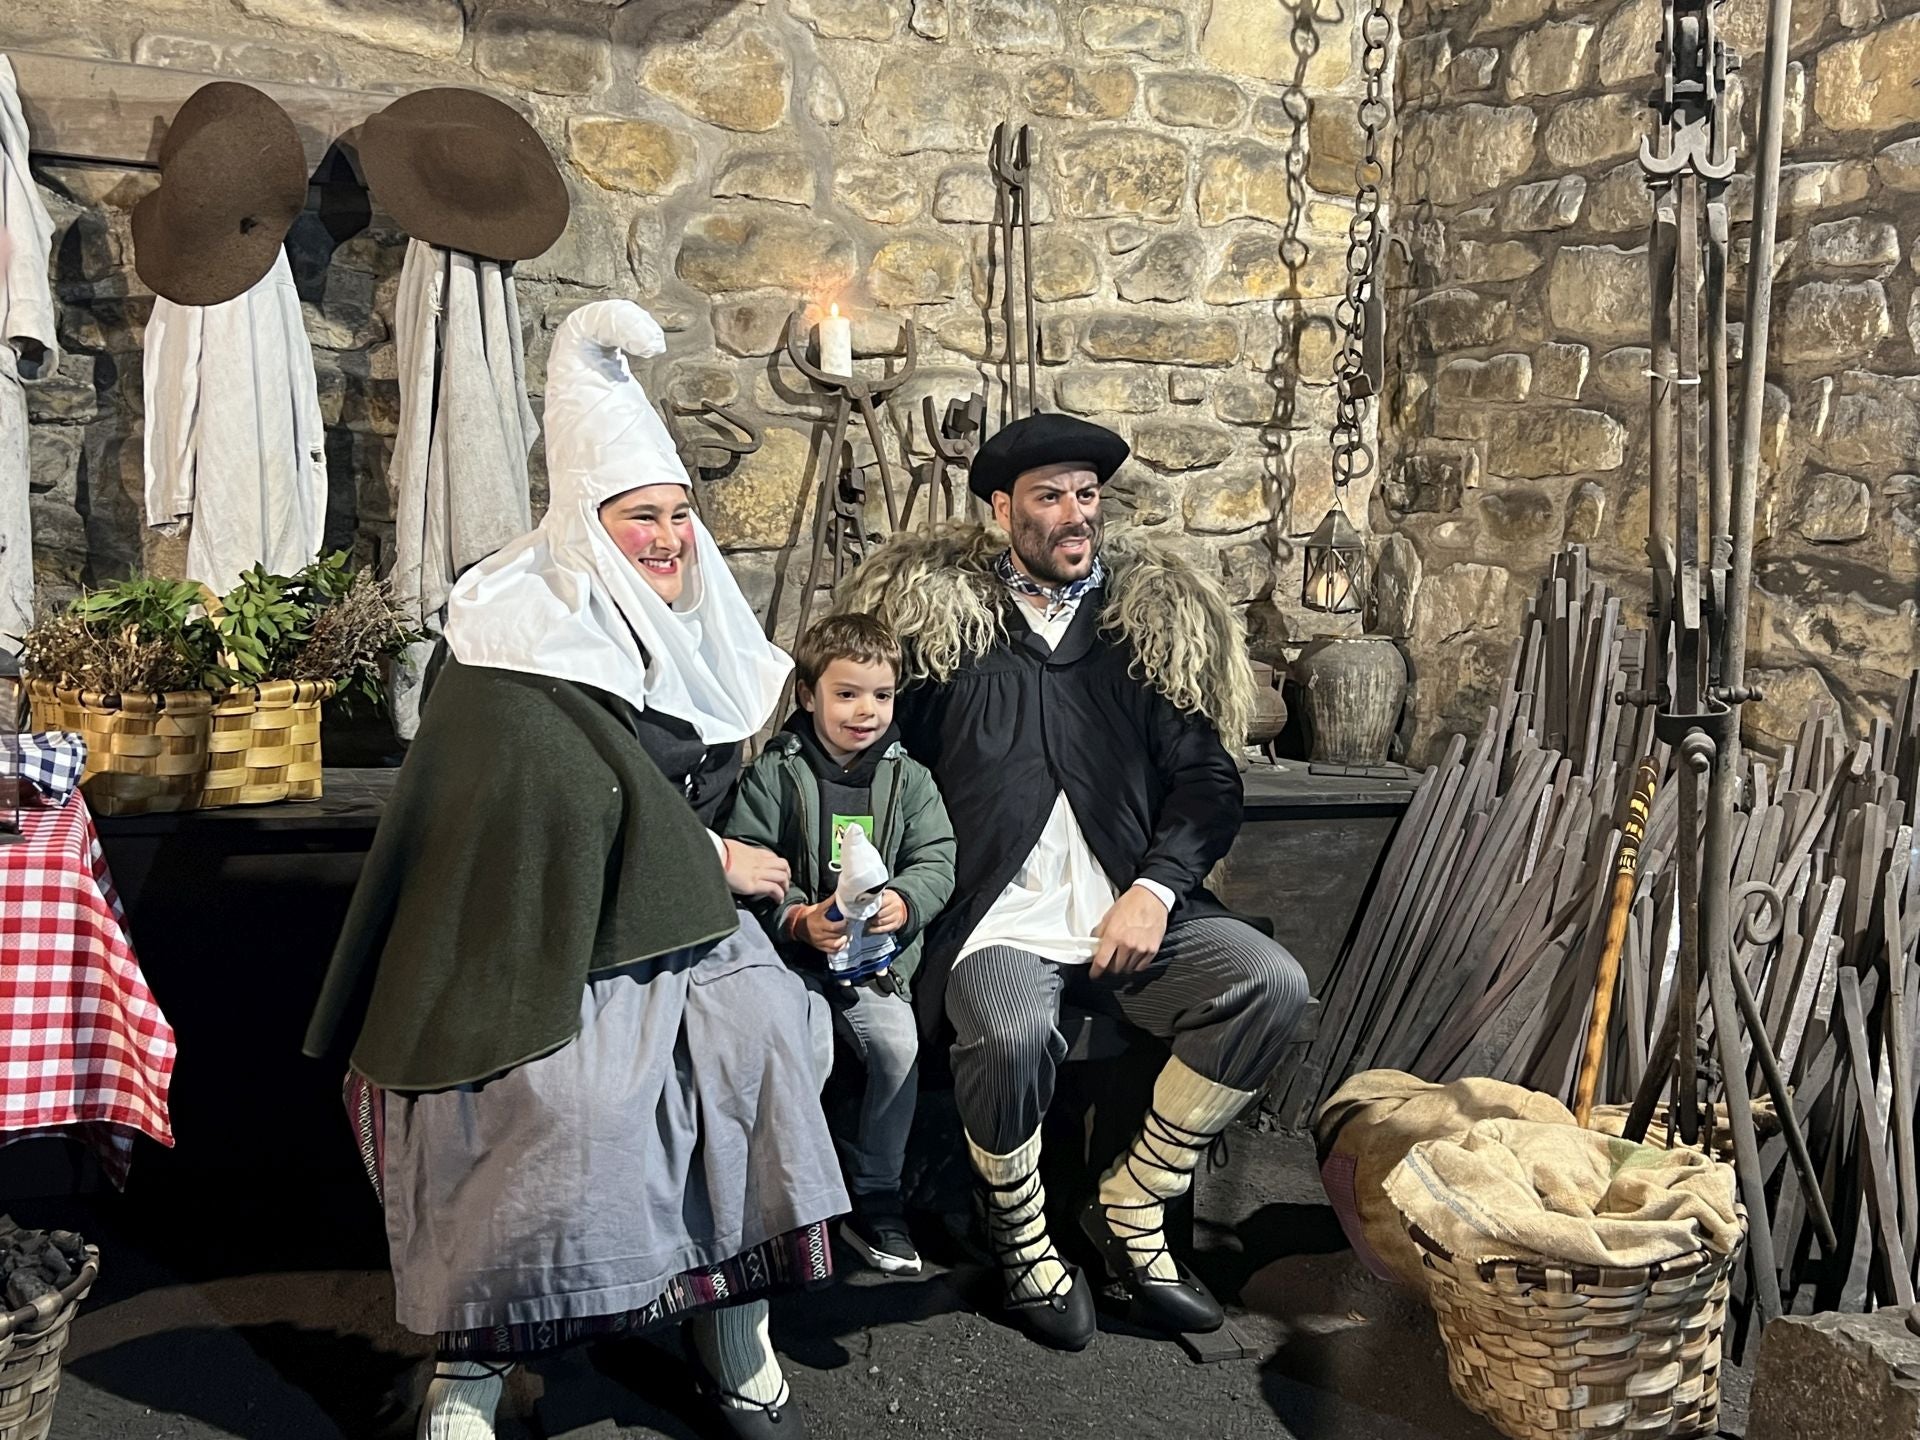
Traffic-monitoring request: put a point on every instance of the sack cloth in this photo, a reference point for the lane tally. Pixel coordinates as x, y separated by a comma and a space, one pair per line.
1367, 1127
1521, 1190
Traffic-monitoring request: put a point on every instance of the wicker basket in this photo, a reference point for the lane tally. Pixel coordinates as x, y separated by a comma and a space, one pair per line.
144, 752
1560, 1352
30, 1344
265, 745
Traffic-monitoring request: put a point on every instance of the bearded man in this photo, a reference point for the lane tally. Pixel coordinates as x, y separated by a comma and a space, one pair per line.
1075, 696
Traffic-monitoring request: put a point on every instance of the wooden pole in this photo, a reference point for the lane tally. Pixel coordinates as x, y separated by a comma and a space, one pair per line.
1606, 980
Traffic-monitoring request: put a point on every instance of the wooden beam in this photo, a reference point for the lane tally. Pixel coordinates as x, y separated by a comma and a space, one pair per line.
112, 113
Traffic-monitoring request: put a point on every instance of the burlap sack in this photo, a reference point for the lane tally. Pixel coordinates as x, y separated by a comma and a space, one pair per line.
1520, 1190
1367, 1128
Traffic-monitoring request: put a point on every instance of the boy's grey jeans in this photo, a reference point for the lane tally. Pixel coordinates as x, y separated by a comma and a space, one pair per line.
882, 1032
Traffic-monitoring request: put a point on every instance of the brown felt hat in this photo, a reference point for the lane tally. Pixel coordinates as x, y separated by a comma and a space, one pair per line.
464, 171
233, 179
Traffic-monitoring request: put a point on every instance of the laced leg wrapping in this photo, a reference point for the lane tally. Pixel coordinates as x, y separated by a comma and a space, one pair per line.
462, 1399
734, 1345
1014, 1203
1188, 1117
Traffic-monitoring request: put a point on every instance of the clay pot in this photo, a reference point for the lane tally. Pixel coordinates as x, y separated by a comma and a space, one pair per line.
1352, 690
1269, 706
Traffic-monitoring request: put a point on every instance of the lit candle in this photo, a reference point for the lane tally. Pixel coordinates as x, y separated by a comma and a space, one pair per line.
836, 343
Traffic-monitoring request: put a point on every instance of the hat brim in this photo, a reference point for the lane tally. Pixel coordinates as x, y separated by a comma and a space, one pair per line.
188, 273
1014, 451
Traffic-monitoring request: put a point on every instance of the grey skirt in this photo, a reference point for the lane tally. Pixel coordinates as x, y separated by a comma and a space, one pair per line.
681, 1128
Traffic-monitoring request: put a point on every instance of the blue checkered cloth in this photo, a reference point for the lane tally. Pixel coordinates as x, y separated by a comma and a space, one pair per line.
52, 760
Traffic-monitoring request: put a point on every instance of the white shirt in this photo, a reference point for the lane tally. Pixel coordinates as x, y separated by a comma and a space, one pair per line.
1050, 908
234, 437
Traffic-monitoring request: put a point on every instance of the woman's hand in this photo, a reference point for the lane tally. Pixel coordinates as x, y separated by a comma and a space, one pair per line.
891, 916
753, 873
813, 927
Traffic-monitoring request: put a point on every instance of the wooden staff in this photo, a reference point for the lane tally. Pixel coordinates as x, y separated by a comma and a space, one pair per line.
1639, 807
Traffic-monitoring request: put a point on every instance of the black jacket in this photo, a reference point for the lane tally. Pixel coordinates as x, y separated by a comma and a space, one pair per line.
1156, 793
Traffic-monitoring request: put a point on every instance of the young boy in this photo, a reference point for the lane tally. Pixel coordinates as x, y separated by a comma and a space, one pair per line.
838, 762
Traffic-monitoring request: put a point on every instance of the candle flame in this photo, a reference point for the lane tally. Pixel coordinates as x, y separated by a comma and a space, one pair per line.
834, 310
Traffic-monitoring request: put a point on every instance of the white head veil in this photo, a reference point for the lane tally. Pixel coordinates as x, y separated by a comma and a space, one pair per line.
563, 601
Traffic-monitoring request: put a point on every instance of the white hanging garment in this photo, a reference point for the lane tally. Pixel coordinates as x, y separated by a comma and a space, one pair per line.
234, 440
29, 350
459, 470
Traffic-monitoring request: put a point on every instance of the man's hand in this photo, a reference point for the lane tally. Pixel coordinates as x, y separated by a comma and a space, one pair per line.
812, 927
753, 873
891, 916
1130, 934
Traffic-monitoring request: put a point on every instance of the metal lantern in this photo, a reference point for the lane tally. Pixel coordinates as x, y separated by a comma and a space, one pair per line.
1336, 566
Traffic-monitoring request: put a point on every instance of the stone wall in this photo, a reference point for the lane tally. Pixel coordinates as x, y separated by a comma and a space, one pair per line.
1519, 422
731, 161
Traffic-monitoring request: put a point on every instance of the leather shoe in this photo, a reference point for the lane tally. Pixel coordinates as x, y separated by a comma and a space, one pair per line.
1181, 1306
1064, 1320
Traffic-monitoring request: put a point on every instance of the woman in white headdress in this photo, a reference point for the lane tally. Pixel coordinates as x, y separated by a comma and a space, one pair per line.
586, 1089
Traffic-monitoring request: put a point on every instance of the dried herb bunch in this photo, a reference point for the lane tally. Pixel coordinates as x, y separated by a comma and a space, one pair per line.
140, 637
352, 637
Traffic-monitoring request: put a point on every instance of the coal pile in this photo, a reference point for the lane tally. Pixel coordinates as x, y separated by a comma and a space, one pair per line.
36, 1263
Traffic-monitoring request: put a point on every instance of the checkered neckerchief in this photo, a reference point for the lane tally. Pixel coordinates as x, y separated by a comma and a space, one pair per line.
1058, 597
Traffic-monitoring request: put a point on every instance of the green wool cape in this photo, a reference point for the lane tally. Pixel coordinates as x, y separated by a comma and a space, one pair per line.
530, 843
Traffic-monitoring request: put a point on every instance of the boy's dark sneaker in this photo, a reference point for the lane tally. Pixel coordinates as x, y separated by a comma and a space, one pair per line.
877, 1231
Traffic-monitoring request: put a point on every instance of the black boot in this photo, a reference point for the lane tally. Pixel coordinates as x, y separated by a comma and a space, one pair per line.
1043, 1295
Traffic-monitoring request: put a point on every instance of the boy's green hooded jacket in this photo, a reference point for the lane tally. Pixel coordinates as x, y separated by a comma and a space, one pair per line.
778, 809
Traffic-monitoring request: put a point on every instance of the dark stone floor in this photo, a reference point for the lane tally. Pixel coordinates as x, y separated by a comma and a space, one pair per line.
215, 1318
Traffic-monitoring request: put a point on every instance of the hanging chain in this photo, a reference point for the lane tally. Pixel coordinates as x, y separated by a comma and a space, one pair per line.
1359, 313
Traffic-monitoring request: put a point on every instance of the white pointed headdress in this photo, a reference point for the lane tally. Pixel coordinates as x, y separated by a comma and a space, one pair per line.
563, 601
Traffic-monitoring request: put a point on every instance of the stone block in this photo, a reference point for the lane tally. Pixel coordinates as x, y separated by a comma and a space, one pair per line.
1254, 38
1835, 1376
1120, 172
1855, 243
1898, 166
1335, 143
1517, 520
1628, 44
1472, 70
1311, 492
729, 75
1586, 512
1819, 185
1160, 340
1168, 269
177, 52
1199, 102
972, 335
915, 270
1829, 320
757, 506
1016, 26
542, 50
1533, 444
1867, 83
929, 107
1549, 60
785, 176
1483, 262
1126, 237
826, 101
1108, 390
283, 64
1428, 482
1471, 149
1543, 205
1620, 202
638, 156
754, 247
849, 19
1593, 131
1560, 370
1155, 31
417, 27
1511, 14
1461, 599
963, 195
1185, 387
1621, 373
887, 193
1244, 180
1831, 508
1243, 399
1230, 502
1458, 319
1173, 445
1425, 59
1599, 291
931, 19
1061, 91
751, 324
1254, 268
692, 385
1504, 379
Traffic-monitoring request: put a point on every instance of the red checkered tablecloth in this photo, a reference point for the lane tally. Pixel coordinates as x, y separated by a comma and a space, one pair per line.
84, 1049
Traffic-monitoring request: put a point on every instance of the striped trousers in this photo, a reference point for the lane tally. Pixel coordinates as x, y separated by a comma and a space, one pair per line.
1225, 996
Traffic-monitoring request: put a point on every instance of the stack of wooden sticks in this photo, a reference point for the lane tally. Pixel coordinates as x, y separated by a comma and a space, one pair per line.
1479, 949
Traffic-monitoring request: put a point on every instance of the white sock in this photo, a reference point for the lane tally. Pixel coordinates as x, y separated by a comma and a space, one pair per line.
738, 1352
1017, 1219
461, 1401
1188, 1111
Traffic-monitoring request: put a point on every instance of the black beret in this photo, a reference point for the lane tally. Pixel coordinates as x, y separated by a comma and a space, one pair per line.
1043, 440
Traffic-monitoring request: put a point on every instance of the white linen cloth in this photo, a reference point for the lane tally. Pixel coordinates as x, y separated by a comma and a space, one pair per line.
459, 469
29, 350
1050, 908
563, 601
234, 439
